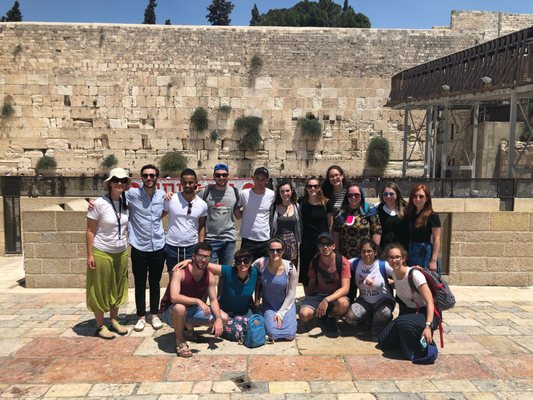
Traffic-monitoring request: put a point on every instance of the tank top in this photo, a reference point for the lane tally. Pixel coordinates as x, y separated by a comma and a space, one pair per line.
192, 288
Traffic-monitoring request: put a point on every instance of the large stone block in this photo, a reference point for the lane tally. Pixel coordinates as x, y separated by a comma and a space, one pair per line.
56, 251
470, 221
71, 221
467, 264
482, 249
510, 221
38, 221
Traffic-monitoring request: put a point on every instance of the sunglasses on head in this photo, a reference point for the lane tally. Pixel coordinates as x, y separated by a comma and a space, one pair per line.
353, 195
117, 180
223, 175
242, 260
312, 186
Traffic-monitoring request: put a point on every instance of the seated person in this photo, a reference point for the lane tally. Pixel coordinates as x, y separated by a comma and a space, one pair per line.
329, 283
236, 290
375, 302
184, 300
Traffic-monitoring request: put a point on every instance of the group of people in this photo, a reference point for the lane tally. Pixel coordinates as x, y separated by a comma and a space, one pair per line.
329, 240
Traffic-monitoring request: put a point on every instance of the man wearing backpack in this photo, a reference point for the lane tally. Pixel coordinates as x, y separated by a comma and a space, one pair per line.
329, 283
185, 297
222, 202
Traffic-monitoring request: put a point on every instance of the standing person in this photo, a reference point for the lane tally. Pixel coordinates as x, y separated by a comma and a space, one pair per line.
186, 220
329, 283
255, 212
355, 221
317, 217
334, 187
277, 289
184, 299
413, 329
286, 220
147, 240
107, 255
392, 216
424, 229
375, 302
222, 203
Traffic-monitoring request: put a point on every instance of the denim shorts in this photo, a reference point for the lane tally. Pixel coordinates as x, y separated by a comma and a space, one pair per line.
195, 316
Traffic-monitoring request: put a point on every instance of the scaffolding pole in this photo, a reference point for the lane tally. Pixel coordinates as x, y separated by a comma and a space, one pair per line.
474, 139
512, 136
405, 133
444, 148
427, 157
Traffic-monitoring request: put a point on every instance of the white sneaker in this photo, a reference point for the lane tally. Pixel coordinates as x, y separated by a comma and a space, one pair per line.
156, 322
139, 326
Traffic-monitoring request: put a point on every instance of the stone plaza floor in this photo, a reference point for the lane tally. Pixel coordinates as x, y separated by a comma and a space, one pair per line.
47, 351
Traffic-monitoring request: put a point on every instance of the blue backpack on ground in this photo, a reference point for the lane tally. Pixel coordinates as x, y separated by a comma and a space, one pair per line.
255, 335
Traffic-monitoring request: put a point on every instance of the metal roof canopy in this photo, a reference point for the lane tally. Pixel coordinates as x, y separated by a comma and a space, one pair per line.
495, 72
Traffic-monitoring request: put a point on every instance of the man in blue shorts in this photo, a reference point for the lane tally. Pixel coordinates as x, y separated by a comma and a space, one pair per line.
184, 300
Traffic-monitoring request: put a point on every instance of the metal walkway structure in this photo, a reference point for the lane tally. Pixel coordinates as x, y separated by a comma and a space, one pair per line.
495, 73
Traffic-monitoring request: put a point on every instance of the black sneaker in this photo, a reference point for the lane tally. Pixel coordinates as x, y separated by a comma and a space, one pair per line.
331, 328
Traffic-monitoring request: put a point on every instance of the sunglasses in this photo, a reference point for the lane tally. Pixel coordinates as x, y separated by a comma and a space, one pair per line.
243, 260
278, 251
117, 180
312, 186
353, 195
221, 175
146, 176
419, 196
325, 244
389, 194
202, 257
189, 209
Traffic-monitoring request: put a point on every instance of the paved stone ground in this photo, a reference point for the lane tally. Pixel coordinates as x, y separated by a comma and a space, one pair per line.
47, 351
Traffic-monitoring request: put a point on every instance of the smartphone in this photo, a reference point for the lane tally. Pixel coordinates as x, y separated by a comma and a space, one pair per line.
423, 342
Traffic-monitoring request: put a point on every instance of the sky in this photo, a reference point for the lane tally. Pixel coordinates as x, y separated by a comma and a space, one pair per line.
393, 14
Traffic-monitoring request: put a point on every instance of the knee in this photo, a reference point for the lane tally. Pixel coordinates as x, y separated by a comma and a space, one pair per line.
341, 306
179, 310
306, 314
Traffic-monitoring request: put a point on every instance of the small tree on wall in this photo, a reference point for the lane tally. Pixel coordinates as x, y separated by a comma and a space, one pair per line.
378, 153
172, 163
199, 119
109, 162
249, 127
46, 165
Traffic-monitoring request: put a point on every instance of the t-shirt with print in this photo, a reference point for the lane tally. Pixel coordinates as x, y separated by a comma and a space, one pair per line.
378, 290
220, 221
255, 223
108, 238
328, 280
412, 299
182, 225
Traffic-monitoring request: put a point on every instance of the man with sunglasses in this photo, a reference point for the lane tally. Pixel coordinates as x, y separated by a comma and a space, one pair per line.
185, 299
222, 203
329, 284
186, 219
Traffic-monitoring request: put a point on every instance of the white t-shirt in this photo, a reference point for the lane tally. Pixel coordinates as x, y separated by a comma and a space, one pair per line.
378, 290
412, 299
107, 237
183, 227
255, 223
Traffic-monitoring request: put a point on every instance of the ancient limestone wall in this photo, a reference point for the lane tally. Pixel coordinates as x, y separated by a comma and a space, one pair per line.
80, 92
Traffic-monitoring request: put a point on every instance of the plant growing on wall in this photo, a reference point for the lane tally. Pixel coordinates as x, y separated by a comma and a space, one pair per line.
310, 127
172, 163
213, 136
109, 162
256, 63
7, 108
199, 119
249, 128
225, 109
45, 165
378, 152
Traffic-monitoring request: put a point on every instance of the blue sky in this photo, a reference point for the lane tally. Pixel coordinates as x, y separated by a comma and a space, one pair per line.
419, 14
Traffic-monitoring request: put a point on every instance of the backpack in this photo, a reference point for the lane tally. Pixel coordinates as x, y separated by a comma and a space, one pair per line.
338, 266
255, 335
382, 270
440, 290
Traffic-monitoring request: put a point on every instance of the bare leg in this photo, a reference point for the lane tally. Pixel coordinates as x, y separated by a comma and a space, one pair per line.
178, 320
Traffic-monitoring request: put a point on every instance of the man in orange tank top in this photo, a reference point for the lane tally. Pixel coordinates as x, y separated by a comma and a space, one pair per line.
187, 294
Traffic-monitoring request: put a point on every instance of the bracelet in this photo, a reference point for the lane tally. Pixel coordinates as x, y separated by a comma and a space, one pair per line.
428, 324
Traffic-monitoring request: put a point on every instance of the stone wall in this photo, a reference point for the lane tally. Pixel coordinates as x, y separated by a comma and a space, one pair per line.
81, 92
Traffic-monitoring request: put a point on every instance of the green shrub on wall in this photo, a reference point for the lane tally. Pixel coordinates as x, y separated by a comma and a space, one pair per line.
45, 165
199, 119
225, 109
310, 127
109, 162
7, 108
249, 127
378, 152
172, 163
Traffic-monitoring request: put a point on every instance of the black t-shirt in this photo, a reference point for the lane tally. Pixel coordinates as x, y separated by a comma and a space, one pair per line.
423, 234
394, 229
314, 220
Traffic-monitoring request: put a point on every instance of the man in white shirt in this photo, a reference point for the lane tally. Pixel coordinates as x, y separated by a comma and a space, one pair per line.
255, 211
186, 219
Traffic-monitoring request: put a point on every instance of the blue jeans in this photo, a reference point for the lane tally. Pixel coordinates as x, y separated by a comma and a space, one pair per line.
175, 254
222, 251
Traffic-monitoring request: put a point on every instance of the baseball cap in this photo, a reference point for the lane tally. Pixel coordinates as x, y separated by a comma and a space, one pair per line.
261, 171
325, 235
220, 166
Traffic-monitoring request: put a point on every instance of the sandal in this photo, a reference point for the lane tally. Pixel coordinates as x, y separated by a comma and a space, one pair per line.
182, 350
104, 333
117, 328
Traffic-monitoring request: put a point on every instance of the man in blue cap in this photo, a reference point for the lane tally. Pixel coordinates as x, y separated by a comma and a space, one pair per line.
222, 202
